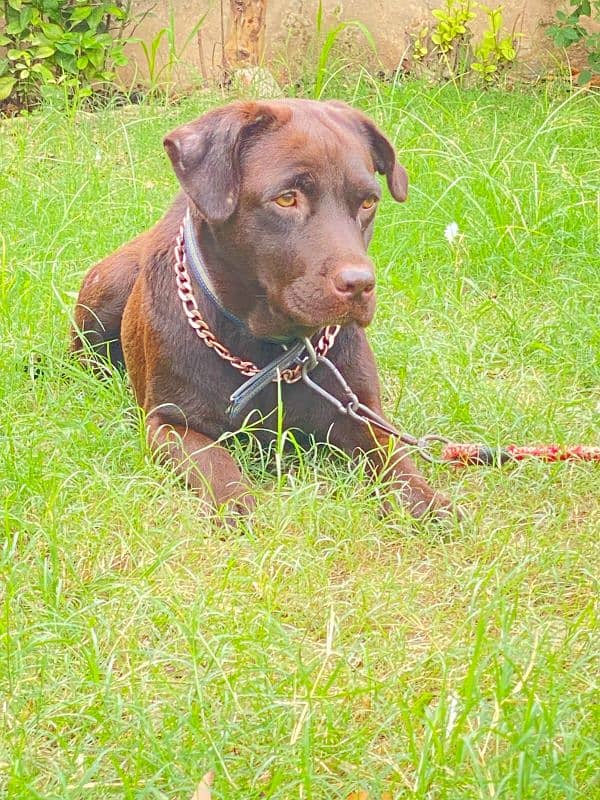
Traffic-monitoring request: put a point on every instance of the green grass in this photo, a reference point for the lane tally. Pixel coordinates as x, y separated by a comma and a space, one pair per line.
320, 650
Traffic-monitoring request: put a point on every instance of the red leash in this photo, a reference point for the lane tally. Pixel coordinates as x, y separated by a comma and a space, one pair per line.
463, 455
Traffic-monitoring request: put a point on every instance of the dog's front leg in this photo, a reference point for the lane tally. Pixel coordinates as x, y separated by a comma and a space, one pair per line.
389, 460
207, 467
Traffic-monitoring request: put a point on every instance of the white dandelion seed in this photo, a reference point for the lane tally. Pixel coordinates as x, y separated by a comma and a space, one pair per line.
451, 232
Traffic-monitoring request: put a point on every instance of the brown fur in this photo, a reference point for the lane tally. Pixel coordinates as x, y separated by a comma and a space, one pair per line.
283, 271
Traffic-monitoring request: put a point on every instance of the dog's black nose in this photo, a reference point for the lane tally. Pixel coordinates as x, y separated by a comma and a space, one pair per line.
353, 281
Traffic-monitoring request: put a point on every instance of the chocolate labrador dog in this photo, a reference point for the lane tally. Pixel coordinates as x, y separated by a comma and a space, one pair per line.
261, 257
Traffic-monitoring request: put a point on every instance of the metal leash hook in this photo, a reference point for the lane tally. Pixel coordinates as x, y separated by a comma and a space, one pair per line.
424, 443
311, 360
310, 363
361, 413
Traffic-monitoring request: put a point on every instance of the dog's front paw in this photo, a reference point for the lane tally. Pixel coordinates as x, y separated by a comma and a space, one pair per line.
242, 505
436, 508
425, 504
236, 507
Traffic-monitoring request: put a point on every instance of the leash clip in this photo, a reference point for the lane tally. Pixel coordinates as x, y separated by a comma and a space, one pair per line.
312, 359
290, 356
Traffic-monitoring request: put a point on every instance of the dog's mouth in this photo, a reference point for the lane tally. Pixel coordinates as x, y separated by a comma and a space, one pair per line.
294, 321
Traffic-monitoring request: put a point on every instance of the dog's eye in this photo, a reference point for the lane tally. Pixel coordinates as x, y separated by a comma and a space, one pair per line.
286, 200
369, 202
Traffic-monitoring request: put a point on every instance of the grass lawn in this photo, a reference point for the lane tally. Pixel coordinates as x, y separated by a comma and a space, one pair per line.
319, 650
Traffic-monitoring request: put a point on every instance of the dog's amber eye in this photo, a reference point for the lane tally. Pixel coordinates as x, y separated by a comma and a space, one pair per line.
286, 200
369, 202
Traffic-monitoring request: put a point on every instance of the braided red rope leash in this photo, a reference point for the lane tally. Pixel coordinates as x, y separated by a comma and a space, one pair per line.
463, 455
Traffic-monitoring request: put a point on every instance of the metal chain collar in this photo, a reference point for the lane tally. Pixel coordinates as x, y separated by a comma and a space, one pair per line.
196, 321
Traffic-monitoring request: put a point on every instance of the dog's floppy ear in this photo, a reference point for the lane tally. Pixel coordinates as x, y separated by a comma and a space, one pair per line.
382, 151
206, 155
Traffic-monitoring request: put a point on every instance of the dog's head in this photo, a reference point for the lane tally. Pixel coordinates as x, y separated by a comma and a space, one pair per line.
287, 196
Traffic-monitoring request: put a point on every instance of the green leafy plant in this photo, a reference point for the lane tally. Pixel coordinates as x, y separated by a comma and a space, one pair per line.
452, 27
445, 46
68, 43
568, 30
446, 51
495, 52
420, 48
